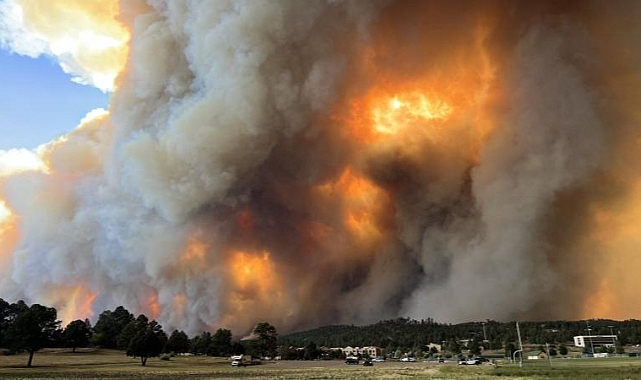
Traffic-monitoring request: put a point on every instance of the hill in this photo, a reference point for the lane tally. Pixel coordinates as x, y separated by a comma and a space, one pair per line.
409, 333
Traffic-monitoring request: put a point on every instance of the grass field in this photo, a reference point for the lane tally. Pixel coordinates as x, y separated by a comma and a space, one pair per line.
107, 364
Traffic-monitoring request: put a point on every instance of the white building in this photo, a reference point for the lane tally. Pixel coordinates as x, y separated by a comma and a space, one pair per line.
372, 351
595, 341
438, 347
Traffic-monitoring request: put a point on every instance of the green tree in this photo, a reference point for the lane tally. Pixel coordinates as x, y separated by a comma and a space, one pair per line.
237, 348
311, 351
126, 335
267, 338
76, 334
221, 343
510, 348
5, 313
178, 342
453, 346
563, 350
109, 326
148, 339
201, 344
475, 347
32, 329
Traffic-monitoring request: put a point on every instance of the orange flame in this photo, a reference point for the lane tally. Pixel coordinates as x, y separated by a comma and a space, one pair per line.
255, 285
364, 205
78, 303
254, 273
153, 306
195, 251
613, 248
406, 111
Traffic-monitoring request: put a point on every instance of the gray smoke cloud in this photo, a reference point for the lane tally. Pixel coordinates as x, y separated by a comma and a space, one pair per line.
323, 162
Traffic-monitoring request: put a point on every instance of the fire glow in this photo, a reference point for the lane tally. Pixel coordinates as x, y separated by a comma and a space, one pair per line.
407, 111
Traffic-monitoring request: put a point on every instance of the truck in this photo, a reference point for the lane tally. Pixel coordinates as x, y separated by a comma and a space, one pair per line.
242, 361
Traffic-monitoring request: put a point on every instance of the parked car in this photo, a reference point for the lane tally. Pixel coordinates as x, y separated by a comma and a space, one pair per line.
469, 362
408, 359
368, 362
351, 360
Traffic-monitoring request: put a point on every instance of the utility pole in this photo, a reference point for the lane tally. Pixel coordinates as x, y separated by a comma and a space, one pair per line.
614, 343
484, 336
518, 333
590, 336
547, 346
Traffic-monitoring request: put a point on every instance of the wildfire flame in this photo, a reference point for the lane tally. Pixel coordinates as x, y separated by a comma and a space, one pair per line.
254, 283
408, 111
195, 250
153, 306
77, 303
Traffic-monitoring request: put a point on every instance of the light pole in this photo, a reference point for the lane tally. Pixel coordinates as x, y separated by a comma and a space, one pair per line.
484, 336
614, 343
518, 333
590, 336
547, 347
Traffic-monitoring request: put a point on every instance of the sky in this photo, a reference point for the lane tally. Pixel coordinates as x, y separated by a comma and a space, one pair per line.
39, 102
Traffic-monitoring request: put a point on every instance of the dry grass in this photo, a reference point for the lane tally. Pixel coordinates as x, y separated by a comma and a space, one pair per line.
107, 364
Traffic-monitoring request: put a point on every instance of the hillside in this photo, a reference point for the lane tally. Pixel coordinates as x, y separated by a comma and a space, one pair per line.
408, 333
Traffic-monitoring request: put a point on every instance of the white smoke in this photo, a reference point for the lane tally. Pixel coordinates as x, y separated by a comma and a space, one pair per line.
83, 36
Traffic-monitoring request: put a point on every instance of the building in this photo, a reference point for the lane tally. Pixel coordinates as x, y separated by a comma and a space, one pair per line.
369, 350
439, 348
536, 355
595, 341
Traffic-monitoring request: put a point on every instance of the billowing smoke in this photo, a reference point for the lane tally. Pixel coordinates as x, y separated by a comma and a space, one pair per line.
316, 162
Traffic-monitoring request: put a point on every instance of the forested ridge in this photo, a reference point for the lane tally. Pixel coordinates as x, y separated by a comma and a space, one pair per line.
29, 328
405, 332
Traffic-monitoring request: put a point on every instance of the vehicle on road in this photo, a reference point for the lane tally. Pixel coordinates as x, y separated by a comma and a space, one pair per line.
368, 362
243, 360
351, 360
469, 362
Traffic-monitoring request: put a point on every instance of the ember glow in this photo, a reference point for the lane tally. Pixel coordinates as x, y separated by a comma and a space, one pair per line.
408, 111
323, 162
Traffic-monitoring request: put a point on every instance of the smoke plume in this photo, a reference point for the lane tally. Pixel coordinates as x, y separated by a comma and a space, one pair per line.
317, 162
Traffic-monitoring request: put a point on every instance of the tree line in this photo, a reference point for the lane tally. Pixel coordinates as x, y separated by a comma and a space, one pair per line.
408, 335
29, 328
25, 328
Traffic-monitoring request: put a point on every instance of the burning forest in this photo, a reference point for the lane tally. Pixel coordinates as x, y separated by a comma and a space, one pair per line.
322, 162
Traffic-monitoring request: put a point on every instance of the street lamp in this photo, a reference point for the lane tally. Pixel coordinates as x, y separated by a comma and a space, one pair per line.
590, 336
484, 336
614, 343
